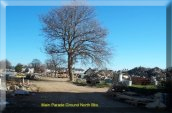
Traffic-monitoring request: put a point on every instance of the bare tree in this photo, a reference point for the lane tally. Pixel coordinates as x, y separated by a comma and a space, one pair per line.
42, 68
36, 64
7, 63
55, 63
74, 31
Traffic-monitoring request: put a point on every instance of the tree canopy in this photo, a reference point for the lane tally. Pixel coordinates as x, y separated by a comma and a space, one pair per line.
18, 67
74, 31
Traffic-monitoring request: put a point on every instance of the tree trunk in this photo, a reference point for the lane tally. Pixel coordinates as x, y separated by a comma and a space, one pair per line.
55, 73
70, 64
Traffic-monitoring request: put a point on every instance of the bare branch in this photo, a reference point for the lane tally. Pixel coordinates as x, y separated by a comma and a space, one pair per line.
74, 31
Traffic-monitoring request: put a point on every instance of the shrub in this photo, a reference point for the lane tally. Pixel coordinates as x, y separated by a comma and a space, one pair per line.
18, 68
80, 82
103, 84
145, 89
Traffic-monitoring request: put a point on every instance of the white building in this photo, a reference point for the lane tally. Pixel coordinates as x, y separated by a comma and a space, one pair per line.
48, 70
28, 70
124, 79
78, 71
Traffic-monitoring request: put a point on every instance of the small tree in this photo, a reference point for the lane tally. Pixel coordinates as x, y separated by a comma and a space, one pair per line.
42, 68
55, 62
7, 63
18, 68
36, 64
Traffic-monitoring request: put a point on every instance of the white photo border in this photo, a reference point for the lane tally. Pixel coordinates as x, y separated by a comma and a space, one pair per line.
5, 3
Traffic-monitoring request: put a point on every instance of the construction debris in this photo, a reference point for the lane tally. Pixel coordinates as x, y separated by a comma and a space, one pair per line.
136, 100
120, 92
157, 103
21, 92
20, 87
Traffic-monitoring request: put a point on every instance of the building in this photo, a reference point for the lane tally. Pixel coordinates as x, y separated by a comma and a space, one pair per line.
78, 71
90, 71
28, 70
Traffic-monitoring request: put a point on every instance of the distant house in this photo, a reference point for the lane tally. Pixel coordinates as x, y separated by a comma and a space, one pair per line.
9, 73
101, 74
106, 73
125, 76
78, 71
90, 71
63, 70
28, 70
47, 70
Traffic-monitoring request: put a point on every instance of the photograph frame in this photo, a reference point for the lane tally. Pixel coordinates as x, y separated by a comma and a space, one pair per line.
6, 3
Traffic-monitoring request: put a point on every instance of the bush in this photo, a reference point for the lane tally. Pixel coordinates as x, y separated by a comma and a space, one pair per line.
93, 80
161, 85
18, 68
145, 86
168, 86
80, 82
103, 84
145, 90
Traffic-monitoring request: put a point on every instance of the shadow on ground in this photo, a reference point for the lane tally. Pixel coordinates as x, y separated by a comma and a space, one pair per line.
32, 103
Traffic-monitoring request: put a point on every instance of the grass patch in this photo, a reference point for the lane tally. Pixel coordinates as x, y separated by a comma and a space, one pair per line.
80, 84
103, 84
145, 86
145, 89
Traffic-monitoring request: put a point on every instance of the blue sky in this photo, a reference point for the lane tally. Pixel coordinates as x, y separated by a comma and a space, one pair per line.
137, 34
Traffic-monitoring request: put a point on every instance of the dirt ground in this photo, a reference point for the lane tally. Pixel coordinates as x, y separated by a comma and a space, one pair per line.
61, 91
63, 85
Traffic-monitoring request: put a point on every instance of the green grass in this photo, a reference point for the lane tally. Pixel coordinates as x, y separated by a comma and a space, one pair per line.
80, 84
145, 86
103, 84
144, 89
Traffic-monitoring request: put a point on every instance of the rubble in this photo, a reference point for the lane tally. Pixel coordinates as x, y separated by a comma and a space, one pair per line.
21, 92
22, 87
13, 87
3, 103
98, 74
157, 103
120, 92
33, 76
93, 79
